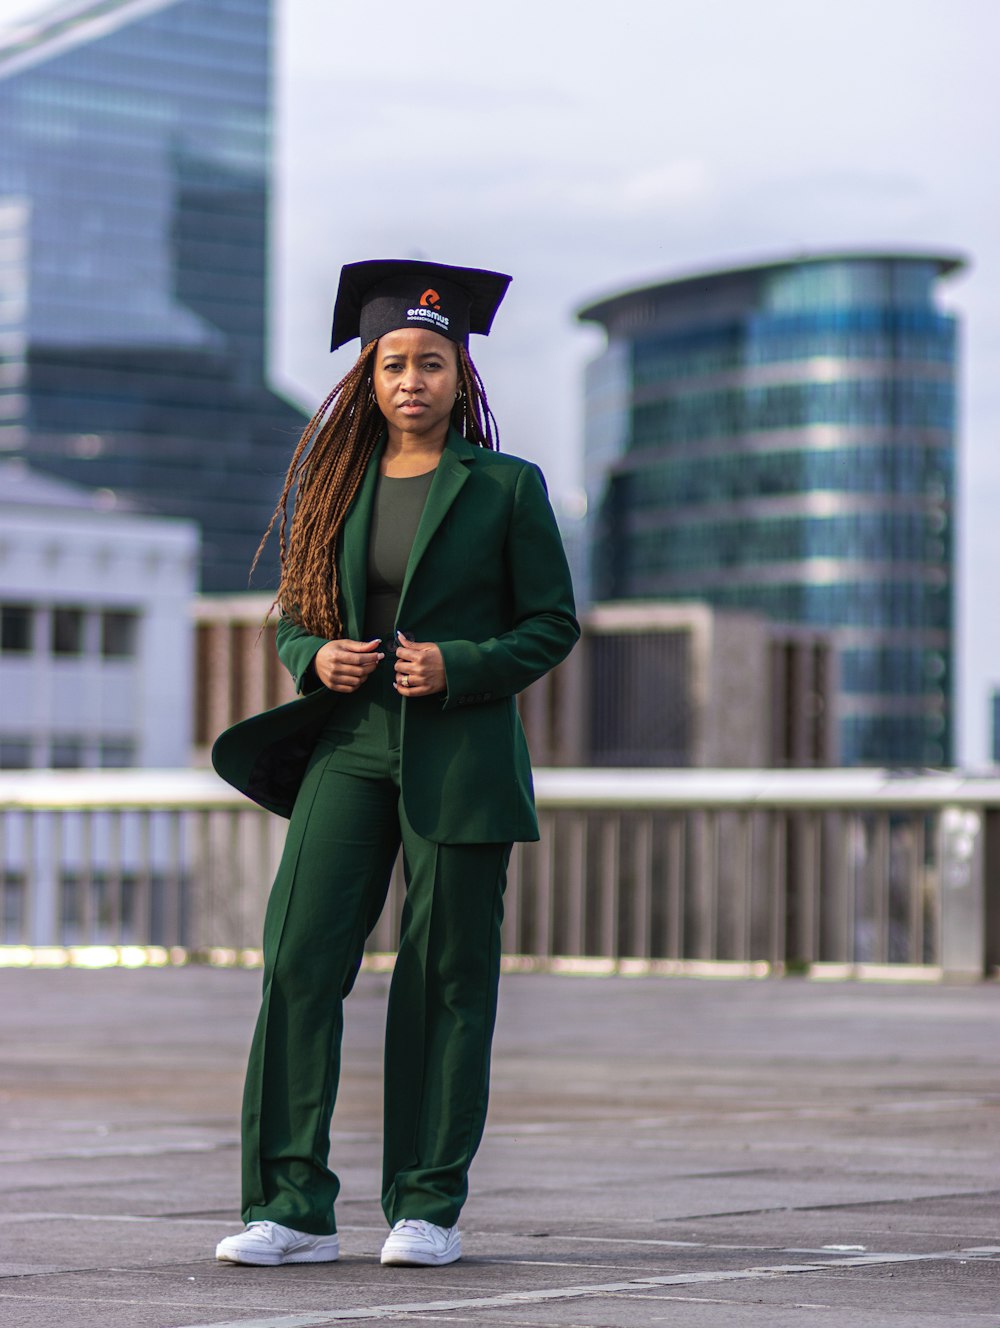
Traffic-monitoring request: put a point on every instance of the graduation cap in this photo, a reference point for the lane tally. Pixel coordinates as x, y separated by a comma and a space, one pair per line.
385, 294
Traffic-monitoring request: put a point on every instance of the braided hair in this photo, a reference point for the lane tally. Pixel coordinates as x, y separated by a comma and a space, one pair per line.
326, 472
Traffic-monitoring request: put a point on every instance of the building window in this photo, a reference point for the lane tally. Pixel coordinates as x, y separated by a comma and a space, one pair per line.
67, 631
15, 753
15, 629
116, 754
71, 910
98, 908
66, 754
14, 913
118, 635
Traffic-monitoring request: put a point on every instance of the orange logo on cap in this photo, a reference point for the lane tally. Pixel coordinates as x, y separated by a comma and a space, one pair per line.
430, 299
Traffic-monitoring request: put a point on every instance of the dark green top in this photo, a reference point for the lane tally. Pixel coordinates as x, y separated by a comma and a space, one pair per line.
399, 504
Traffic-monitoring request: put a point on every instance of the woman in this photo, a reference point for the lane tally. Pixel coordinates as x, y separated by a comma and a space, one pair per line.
423, 585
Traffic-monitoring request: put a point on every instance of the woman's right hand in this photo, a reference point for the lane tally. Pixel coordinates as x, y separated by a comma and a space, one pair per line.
344, 665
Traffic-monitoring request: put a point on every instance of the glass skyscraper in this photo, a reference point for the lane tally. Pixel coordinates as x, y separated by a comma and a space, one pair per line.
781, 438
134, 182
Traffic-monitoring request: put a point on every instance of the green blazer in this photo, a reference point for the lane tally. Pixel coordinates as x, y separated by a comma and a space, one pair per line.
487, 581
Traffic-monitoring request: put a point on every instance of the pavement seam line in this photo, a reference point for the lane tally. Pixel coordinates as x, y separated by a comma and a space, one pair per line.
320, 1319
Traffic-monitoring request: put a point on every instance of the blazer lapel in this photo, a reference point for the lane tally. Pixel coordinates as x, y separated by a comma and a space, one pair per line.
451, 474
353, 558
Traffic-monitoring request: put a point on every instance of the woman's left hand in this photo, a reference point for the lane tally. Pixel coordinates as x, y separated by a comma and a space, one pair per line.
419, 668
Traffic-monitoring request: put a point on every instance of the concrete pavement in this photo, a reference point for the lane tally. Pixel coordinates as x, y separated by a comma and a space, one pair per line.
659, 1151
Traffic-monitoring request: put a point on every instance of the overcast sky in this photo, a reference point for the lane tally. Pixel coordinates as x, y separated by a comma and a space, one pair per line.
587, 147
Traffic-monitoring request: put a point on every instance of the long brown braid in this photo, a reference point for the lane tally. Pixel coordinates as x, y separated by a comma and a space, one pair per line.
326, 471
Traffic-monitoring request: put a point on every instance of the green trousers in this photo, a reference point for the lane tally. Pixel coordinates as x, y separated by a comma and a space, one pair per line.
345, 832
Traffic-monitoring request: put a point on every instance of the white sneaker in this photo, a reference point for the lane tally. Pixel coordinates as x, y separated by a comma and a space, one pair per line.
413, 1243
271, 1243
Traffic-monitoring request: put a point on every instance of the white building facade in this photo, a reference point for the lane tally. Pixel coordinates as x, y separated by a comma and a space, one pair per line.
95, 629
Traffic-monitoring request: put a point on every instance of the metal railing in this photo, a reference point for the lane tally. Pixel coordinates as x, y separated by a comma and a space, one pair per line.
839, 871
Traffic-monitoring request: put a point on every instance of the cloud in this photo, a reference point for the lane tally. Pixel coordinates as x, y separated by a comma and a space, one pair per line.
685, 182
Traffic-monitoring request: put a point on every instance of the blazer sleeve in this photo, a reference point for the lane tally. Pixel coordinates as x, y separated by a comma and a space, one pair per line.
297, 649
543, 615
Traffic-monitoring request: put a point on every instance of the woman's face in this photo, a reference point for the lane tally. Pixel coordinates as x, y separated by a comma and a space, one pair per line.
415, 380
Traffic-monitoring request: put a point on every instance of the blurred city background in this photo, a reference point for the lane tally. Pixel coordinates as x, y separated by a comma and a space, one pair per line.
750, 340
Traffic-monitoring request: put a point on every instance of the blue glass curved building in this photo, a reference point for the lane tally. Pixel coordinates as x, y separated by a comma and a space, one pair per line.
134, 195
781, 438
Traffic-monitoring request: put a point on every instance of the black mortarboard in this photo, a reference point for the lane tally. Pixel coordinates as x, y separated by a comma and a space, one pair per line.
385, 294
